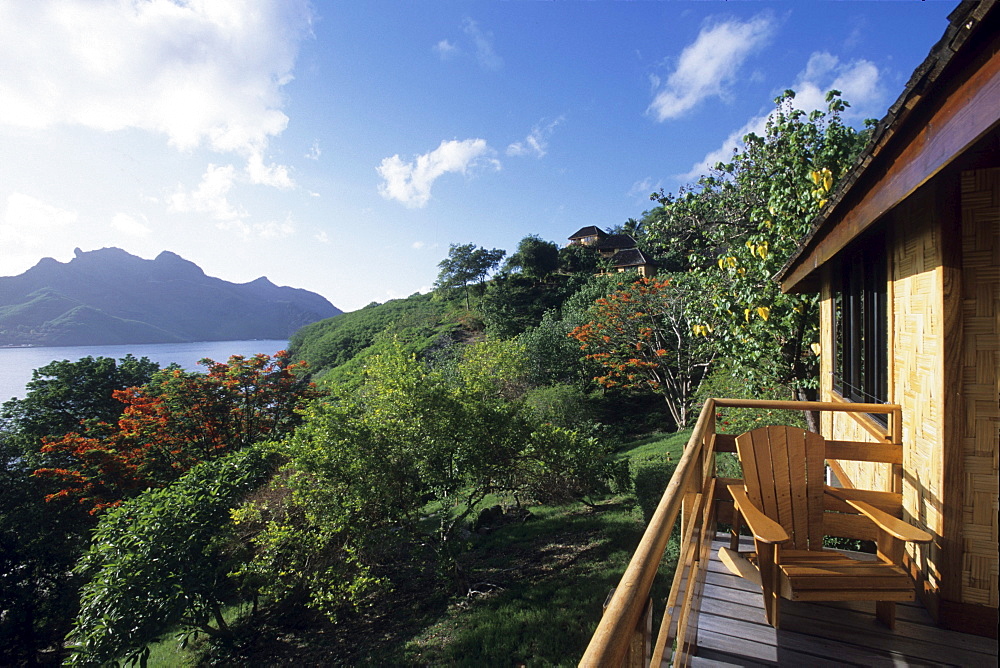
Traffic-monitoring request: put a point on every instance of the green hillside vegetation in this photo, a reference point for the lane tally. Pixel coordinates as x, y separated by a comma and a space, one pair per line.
465, 481
422, 321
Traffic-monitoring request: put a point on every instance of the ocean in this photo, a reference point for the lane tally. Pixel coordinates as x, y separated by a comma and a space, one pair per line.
16, 364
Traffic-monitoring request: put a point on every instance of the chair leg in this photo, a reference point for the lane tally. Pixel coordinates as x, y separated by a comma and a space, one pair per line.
766, 558
890, 550
734, 532
885, 612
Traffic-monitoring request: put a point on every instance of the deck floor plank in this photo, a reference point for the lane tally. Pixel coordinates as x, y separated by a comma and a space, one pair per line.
732, 631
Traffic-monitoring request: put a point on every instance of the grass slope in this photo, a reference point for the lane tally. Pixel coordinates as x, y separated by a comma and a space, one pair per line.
421, 321
536, 594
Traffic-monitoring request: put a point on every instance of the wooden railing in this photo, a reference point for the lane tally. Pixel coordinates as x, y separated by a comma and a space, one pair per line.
624, 634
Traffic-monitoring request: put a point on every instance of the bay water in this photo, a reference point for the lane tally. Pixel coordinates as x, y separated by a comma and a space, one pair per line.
16, 364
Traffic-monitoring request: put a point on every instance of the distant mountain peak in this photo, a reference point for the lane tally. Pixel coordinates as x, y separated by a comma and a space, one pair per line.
262, 281
111, 296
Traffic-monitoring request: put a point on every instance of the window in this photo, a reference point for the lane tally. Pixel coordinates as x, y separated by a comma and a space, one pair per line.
861, 365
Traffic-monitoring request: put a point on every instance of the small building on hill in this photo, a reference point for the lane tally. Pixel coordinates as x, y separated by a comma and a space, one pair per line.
620, 250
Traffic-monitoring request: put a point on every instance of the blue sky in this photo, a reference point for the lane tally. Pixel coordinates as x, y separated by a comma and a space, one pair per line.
342, 146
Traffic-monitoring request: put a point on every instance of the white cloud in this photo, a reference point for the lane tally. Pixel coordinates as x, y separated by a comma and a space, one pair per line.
642, 189
200, 71
322, 237
483, 41
537, 141
724, 153
411, 182
275, 176
274, 229
446, 49
710, 64
267, 230
129, 226
211, 196
314, 151
858, 80
31, 223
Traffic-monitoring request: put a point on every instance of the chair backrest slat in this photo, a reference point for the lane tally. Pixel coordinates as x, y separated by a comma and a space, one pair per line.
816, 475
784, 471
800, 494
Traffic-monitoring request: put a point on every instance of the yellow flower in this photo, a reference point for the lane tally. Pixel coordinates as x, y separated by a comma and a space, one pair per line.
764, 312
816, 348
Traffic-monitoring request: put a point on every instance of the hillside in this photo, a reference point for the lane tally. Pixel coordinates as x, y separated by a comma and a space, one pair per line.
109, 296
421, 321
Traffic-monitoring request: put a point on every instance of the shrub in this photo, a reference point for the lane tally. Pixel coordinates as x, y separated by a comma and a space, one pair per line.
650, 481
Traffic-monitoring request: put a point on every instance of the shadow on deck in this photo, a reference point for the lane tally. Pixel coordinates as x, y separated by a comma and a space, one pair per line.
732, 631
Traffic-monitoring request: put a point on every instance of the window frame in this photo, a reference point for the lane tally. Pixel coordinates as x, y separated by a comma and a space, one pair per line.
861, 325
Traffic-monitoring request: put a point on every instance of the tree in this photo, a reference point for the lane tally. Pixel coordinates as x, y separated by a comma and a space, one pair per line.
579, 259
40, 543
642, 337
466, 264
534, 258
62, 395
171, 424
514, 302
421, 446
164, 559
745, 220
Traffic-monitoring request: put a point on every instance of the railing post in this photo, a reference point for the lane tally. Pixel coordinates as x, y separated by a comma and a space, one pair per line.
642, 639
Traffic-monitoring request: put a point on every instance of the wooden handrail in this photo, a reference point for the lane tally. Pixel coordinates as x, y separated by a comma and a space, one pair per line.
610, 642
832, 406
611, 639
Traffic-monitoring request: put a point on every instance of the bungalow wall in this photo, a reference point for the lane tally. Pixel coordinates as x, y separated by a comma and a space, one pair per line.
943, 249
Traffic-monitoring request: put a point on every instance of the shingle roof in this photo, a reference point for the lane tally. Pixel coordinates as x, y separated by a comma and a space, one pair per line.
589, 231
616, 242
630, 257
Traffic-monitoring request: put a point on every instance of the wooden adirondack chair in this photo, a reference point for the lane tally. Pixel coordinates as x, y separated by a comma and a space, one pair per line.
782, 501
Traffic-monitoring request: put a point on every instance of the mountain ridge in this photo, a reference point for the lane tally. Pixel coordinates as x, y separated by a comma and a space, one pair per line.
109, 296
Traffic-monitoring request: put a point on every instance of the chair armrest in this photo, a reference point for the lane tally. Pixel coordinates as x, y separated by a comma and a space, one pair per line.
893, 525
763, 527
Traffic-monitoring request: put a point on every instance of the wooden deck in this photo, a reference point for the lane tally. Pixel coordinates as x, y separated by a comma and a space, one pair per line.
732, 631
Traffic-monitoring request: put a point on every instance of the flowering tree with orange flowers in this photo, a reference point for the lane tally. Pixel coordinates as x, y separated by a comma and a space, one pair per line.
174, 422
641, 336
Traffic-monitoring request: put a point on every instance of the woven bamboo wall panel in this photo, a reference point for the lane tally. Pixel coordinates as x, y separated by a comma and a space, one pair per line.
917, 365
863, 475
980, 384
918, 354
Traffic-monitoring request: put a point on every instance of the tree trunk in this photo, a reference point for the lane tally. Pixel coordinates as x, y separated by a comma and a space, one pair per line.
812, 417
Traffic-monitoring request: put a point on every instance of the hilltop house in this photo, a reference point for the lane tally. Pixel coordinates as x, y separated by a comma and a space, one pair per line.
621, 250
